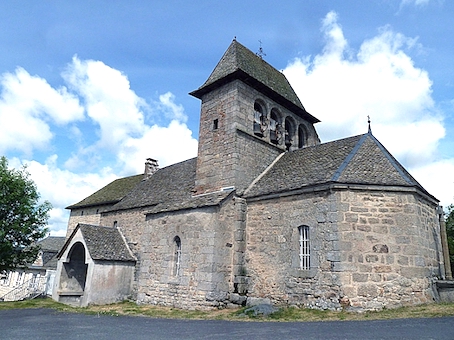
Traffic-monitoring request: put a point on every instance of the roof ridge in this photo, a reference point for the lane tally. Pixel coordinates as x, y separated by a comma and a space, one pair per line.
239, 62
349, 157
396, 164
259, 177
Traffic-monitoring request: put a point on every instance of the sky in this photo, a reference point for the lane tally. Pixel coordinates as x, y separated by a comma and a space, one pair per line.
90, 89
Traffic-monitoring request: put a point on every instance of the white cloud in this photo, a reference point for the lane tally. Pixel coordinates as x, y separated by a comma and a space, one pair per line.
380, 81
119, 113
109, 100
414, 2
342, 87
123, 139
62, 187
172, 110
437, 179
28, 107
168, 145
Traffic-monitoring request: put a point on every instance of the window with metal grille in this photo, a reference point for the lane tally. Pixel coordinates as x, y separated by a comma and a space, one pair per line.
305, 252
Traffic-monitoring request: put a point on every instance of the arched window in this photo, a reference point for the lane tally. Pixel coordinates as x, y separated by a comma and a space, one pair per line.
177, 256
289, 132
275, 127
302, 136
304, 247
260, 120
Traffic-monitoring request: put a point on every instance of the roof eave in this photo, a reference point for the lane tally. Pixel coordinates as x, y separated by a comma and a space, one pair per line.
77, 206
113, 260
249, 80
328, 186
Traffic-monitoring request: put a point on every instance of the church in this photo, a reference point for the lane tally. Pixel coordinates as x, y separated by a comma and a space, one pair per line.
265, 213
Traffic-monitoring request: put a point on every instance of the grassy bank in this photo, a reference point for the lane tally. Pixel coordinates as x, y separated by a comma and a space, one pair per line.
285, 314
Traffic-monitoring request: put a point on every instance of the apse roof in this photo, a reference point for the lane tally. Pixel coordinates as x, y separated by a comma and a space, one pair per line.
359, 160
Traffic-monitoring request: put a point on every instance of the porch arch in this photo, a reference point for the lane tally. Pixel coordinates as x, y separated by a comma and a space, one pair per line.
74, 273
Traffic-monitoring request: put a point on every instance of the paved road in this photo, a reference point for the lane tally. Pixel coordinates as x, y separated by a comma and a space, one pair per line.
49, 324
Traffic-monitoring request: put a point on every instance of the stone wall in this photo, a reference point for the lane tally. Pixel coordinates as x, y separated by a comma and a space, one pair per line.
230, 154
272, 251
88, 215
131, 223
216, 155
369, 249
204, 278
390, 251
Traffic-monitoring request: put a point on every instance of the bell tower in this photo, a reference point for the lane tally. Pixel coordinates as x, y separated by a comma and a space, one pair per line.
249, 116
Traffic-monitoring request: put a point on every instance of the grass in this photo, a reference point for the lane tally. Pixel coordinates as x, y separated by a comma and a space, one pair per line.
283, 314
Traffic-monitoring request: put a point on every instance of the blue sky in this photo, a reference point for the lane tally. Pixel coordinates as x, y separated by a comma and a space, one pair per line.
89, 89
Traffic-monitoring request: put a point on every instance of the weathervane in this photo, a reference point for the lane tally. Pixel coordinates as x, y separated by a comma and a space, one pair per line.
368, 121
260, 53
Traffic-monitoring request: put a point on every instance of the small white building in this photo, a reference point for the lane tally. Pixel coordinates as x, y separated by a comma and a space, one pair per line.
36, 279
95, 265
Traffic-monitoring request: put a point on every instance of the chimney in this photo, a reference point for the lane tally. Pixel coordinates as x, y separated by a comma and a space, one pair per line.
151, 166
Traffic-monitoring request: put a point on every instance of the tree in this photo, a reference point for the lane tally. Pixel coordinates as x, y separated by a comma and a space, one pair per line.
450, 234
23, 219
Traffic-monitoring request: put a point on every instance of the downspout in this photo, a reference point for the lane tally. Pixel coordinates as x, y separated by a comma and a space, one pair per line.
444, 244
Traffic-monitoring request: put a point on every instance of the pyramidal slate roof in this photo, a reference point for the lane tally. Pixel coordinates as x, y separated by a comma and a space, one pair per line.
361, 160
168, 189
103, 243
238, 62
111, 193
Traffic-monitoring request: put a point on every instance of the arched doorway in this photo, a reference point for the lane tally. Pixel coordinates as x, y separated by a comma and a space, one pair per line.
74, 273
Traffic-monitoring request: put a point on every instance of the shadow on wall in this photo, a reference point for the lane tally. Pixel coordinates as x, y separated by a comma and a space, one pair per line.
74, 274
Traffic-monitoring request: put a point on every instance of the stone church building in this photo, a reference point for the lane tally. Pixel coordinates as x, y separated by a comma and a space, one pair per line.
265, 213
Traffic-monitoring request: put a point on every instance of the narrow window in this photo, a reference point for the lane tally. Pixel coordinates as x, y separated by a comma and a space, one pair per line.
305, 255
82, 213
177, 256
115, 224
215, 124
